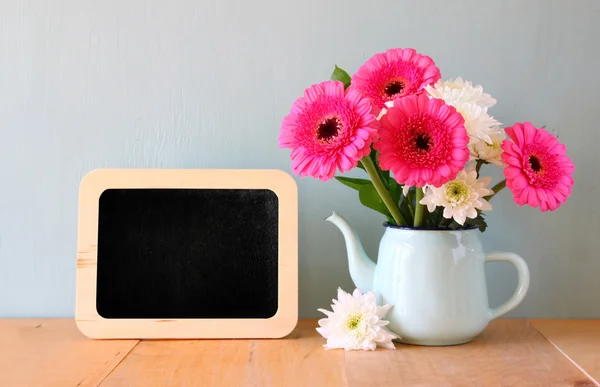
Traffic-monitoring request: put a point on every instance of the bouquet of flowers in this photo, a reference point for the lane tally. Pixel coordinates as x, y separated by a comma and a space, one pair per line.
422, 143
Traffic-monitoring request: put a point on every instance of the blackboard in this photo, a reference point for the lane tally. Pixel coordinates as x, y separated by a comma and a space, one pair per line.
187, 253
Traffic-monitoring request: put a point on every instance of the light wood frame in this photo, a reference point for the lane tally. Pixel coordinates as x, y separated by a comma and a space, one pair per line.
96, 182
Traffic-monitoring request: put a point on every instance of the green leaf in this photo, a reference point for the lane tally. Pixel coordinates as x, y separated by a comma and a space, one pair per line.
434, 218
395, 190
451, 224
479, 221
483, 226
385, 175
352, 182
444, 222
341, 75
404, 210
369, 197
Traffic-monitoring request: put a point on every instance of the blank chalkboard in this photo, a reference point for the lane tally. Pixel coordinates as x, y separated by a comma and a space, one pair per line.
187, 253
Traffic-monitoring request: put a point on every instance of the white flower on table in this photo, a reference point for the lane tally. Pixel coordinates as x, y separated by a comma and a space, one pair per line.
356, 323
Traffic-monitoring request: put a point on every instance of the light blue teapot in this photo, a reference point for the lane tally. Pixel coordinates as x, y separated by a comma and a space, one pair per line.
434, 278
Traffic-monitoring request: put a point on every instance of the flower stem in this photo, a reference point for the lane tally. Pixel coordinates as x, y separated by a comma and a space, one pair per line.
497, 188
383, 193
478, 166
419, 208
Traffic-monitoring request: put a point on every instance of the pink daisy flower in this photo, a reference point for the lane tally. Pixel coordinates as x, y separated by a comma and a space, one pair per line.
393, 74
328, 128
538, 173
423, 141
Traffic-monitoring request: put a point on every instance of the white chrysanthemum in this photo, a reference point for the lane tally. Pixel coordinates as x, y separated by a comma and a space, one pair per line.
478, 123
460, 92
461, 197
356, 323
490, 151
472, 103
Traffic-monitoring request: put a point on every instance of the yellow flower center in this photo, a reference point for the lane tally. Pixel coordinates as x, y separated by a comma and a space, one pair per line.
457, 191
493, 145
353, 321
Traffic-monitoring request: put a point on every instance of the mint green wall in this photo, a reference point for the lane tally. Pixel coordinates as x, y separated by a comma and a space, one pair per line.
204, 84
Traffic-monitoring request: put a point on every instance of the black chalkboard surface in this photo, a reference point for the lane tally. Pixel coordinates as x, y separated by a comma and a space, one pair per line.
187, 253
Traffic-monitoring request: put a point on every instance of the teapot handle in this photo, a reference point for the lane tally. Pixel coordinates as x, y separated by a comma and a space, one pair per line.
522, 286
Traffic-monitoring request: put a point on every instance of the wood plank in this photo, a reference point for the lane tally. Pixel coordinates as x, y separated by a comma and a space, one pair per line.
579, 340
297, 360
52, 352
508, 353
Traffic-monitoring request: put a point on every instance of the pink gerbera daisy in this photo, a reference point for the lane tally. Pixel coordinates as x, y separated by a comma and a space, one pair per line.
423, 141
328, 128
538, 172
393, 74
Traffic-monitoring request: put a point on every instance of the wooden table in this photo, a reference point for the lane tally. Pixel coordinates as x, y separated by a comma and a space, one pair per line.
52, 352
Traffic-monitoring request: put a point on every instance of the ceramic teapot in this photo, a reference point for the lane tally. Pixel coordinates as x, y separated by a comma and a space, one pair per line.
434, 279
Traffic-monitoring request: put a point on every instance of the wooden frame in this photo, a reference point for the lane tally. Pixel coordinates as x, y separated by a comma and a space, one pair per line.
96, 182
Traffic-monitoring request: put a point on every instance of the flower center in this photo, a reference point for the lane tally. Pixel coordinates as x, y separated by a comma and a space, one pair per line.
541, 168
353, 321
422, 142
493, 145
535, 164
457, 191
393, 88
328, 128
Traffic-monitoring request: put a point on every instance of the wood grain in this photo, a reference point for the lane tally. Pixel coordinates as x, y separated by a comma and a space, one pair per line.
578, 340
508, 353
297, 360
52, 352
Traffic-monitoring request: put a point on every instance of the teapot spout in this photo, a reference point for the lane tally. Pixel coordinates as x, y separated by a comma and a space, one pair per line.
362, 268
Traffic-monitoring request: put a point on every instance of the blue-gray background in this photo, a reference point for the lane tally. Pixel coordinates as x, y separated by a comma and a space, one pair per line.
204, 84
